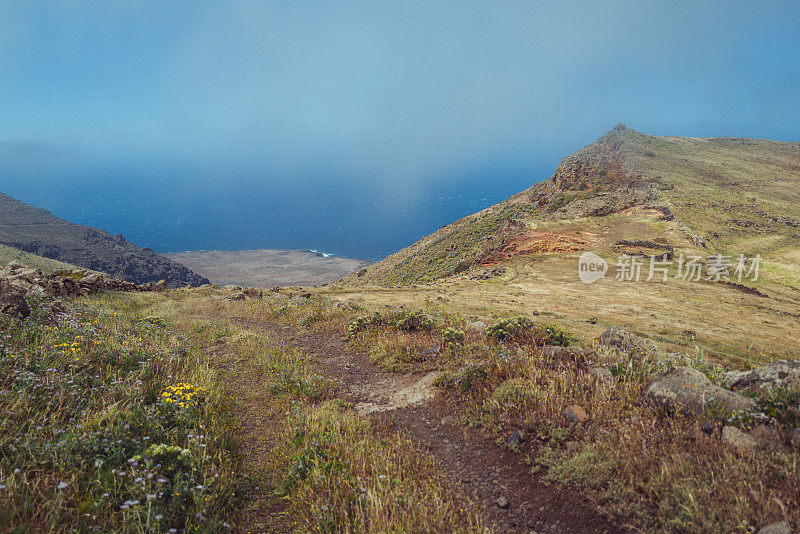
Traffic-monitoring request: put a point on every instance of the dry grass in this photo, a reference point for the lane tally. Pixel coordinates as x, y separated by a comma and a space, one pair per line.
655, 471
89, 441
330, 469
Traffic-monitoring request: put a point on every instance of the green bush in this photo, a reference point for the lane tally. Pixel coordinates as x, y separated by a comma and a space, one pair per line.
523, 329
405, 321
470, 376
452, 338
510, 328
547, 334
411, 321
363, 323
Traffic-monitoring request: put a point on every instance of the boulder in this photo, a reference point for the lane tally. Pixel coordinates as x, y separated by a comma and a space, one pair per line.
628, 342
575, 414
11, 268
515, 440
92, 281
431, 351
13, 303
160, 286
781, 527
601, 375
689, 391
20, 285
781, 373
27, 274
738, 439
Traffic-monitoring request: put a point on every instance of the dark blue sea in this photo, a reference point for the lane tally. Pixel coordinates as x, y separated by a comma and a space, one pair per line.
172, 209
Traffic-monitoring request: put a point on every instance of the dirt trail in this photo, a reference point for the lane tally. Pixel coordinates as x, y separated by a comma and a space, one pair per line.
484, 471
252, 413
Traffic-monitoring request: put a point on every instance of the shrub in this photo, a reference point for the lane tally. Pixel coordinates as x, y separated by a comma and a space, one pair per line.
403, 321
470, 376
411, 321
523, 329
452, 338
363, 323
547, 334
510, 328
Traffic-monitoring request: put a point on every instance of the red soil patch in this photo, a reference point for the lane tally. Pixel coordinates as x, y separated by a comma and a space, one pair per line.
534, 242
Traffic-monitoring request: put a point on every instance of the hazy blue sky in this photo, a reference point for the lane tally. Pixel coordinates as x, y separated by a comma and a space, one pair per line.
401, 99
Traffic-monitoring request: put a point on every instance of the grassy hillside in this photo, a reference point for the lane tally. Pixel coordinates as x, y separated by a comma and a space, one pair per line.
286, 414
732, 196
41, 233
46, 265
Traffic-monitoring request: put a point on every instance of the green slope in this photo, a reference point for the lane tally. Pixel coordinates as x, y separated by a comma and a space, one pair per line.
46, 265
734, 196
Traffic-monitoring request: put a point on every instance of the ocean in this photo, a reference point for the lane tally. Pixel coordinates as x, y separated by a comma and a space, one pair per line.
174, 210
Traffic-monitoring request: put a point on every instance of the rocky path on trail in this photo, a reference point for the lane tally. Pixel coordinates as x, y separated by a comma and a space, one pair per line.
510, 498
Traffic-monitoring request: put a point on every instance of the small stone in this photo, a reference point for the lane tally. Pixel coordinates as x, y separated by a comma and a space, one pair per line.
708, 428
502, 502
515, 440
781, 527
738, 439
446, 419
575, 414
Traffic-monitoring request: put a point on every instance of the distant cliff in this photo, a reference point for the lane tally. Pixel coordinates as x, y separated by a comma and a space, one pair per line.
40, 232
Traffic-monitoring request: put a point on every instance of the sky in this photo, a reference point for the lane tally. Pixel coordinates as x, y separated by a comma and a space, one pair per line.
391, 117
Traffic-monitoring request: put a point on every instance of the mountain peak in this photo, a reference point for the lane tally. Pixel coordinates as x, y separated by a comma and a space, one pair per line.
713, 190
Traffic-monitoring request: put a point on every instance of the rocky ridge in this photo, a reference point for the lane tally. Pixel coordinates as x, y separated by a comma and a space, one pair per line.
39, 232
18, 281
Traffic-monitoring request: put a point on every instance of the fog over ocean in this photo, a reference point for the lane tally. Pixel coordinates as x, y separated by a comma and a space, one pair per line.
172, 211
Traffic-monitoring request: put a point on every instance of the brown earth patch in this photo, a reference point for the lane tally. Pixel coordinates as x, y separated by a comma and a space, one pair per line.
535, 242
